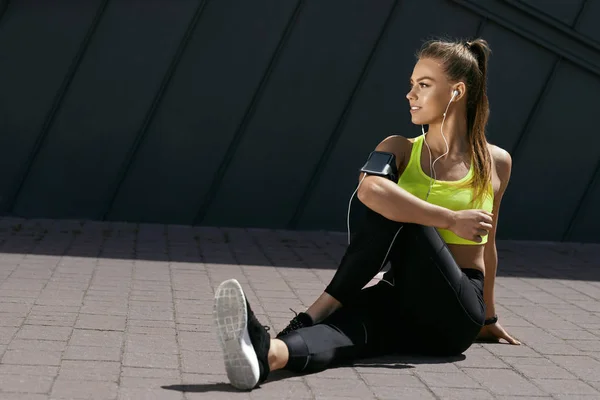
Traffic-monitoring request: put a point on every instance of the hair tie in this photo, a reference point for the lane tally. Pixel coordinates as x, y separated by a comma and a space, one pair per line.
468, 45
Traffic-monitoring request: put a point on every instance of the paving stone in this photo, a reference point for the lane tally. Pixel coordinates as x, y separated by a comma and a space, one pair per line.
197, 340
504, 382
503, 350
453, 379
25, 383
37, 345
27, 396
79, 389
555, 349
146, 382
283, 390
31, 357
485, 360
565, 386
404, 380
584, 367
6, 334
151, 360
349, 388
15, 308
43, 320
151, 323
92, 338
585, 346
461, 393
104, 308
92, 353
41, 370
403, 393
101, 322
573, 334
10, 320
515, 397
153, 394
90, 370
543, 371
206, 362
141, 372
44, 332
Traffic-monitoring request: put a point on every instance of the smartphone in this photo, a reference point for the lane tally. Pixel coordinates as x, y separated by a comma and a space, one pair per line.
381, 163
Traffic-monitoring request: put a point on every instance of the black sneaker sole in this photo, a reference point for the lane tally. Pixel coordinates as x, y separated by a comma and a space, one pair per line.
231, 319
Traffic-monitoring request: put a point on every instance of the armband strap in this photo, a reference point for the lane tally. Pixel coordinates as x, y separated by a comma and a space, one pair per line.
376, 165
491, 321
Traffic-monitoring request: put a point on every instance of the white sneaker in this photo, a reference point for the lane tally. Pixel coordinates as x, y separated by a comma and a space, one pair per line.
231, 314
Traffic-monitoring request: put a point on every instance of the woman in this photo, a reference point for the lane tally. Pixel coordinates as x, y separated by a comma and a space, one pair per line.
436, 225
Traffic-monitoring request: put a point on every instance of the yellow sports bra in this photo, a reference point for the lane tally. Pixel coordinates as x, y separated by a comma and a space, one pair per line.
446, 194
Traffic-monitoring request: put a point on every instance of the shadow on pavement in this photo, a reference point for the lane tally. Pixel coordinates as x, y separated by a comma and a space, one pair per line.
203, 388
256, 247
388, 361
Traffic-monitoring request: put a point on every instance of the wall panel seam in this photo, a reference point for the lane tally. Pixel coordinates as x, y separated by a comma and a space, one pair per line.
248, 114
536, 107
56, 104
337, 130
143, 131
562, 50
549, 20
3, 9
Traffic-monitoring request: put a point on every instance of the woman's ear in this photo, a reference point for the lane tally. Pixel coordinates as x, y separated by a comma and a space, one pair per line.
461, 89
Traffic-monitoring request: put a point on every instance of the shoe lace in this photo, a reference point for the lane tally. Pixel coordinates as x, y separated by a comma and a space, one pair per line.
293, 325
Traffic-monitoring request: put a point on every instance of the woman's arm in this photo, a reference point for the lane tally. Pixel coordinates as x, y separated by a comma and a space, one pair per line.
390, 200
503, 164
394, 203
494, 332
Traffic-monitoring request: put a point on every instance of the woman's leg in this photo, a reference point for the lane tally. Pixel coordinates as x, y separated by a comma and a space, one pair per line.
443, 305
359, 329
250, 354
278, 355
365, 256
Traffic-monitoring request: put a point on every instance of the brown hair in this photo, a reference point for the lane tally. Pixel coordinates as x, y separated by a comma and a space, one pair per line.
467, 62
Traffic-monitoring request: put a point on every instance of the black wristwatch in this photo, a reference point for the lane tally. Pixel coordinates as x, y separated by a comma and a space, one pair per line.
491, 321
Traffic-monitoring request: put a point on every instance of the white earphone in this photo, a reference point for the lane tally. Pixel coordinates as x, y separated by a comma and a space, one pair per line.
455, 93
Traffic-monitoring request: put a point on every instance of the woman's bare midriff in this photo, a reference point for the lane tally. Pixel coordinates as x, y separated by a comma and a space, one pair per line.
468, 256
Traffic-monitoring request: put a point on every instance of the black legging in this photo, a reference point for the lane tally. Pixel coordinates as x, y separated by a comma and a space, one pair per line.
425, 303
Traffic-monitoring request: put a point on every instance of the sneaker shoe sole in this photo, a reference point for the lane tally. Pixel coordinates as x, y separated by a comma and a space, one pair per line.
231, 319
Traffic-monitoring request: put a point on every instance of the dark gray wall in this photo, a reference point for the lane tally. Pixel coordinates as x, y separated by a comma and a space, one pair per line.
259, 114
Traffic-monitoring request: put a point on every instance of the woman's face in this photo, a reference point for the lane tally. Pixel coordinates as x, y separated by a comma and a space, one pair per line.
430, 92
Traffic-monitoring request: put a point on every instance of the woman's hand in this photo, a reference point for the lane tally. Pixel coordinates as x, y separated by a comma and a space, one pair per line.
495, 332
471, 224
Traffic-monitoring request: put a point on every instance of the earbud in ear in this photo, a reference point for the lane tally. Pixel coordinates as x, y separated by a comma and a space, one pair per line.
455, 93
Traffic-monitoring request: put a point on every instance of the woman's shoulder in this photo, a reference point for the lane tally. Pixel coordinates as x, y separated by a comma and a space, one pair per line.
398, 145
395, 143
502, 162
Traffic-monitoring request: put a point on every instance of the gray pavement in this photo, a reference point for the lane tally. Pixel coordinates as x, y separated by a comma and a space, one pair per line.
113, 310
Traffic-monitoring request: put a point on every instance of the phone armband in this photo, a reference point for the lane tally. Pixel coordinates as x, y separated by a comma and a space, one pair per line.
381, 163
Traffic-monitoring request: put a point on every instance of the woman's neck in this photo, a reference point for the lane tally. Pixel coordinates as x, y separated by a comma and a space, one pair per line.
455, 132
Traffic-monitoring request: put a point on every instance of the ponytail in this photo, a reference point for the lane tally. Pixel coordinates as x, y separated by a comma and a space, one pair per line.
478, 111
